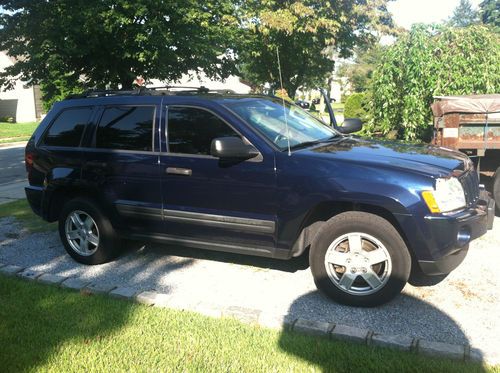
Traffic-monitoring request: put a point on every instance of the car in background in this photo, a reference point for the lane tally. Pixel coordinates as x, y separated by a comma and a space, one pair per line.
303, 104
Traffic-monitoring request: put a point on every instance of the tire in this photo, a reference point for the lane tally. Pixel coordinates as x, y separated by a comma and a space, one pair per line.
87, 234
359, 278
496, 190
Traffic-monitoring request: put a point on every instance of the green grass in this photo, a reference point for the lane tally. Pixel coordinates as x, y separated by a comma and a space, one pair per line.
45, 328
22, 212
11, 132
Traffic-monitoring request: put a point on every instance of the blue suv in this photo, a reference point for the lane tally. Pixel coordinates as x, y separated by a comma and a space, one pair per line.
253, 175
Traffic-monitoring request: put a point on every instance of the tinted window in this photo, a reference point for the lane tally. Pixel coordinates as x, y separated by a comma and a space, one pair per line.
68, 127
126, 128
191, 130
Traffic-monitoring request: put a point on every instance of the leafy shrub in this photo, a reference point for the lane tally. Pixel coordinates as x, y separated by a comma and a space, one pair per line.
7, 119
431, 61
356, 106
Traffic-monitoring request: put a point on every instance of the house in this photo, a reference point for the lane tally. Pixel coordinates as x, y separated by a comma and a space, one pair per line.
22, 103
191, 79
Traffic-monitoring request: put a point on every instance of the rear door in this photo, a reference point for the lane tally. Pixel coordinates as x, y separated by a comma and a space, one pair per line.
225, 206
121, 162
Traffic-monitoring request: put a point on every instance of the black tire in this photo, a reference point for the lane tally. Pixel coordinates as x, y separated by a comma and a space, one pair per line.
108, 242
496, 190
395, 270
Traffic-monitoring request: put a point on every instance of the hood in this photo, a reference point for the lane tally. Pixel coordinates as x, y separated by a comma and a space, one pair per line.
422, 159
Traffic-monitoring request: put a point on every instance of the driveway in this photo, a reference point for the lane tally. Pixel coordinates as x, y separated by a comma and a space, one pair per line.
463, 308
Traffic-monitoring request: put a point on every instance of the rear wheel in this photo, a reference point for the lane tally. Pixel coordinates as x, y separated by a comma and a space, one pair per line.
87, 233
359, 259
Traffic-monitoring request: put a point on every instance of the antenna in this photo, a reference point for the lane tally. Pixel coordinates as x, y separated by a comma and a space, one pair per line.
283, 99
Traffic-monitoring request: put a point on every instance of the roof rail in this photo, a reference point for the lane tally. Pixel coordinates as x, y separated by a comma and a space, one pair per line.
148, 91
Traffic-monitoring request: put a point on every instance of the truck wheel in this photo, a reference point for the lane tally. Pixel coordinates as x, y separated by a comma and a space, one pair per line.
87, 233
359, 259
496, 190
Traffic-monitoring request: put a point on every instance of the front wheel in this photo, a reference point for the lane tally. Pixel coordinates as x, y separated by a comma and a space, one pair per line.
359, 259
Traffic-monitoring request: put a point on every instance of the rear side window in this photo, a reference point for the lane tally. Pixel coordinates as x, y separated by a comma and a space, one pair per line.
126, 128
191, 130
68, 128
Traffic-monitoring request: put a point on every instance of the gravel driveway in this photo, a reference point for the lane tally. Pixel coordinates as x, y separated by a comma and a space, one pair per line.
463, 308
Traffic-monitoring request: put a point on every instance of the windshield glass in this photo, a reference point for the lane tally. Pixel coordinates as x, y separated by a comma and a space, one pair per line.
267, 115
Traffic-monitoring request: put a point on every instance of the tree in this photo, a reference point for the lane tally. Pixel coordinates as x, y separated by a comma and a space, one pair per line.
71, 44
431, 61
307, 33
489, 11
359, 72
463, 15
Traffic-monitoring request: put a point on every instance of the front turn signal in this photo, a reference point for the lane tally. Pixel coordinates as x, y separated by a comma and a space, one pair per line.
431, 201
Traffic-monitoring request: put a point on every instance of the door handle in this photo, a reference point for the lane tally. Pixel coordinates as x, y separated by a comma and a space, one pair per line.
179, 171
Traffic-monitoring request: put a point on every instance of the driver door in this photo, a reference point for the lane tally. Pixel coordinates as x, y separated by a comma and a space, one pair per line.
229, 206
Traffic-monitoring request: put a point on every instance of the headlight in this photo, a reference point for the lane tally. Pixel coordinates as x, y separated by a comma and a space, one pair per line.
447, 196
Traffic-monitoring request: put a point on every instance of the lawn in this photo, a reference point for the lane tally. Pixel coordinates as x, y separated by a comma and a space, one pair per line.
44, 328
10, 132
22, 212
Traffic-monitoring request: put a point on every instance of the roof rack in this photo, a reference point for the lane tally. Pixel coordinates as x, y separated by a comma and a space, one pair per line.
149, 91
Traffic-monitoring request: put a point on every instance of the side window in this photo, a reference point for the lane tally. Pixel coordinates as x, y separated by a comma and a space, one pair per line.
126, 128
191, 130
68, 128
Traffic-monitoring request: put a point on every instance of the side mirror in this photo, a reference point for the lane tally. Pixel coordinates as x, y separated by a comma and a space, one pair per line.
351, 125
232, 148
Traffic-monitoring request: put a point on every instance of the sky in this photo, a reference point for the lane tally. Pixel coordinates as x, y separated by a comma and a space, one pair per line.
407, 12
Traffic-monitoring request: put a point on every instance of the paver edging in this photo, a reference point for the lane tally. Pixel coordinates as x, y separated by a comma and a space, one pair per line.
315, 328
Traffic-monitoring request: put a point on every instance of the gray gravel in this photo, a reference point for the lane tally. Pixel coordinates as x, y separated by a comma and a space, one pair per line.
463, 308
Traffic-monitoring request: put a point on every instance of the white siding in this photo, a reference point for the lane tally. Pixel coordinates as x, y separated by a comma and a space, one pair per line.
18, 102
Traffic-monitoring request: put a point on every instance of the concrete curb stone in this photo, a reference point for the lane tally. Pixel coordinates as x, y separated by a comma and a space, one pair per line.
49, 278
474, 354
124, 292
208, 310
152, 298
350, 333
74, 283
432, 348
246, 315
310, 327
11, 270
98, 288
29, 274
273, 321
398, 342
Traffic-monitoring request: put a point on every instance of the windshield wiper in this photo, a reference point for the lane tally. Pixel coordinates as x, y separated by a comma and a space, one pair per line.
305, 144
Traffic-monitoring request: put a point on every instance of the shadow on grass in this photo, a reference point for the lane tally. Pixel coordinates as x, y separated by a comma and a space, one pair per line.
36, 320
404, 313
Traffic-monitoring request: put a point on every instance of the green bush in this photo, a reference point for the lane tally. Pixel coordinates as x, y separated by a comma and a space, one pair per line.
7, 119
356, 106
430, 61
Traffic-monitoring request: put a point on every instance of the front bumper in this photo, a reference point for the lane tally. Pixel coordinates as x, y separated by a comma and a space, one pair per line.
455, 233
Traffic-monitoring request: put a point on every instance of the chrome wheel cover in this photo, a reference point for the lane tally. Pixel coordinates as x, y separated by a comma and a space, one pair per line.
358, 263
82, 233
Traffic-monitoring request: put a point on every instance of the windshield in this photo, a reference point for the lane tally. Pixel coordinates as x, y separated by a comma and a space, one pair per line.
267, 115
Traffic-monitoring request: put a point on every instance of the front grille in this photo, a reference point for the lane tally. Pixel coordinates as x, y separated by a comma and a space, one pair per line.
470, 183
